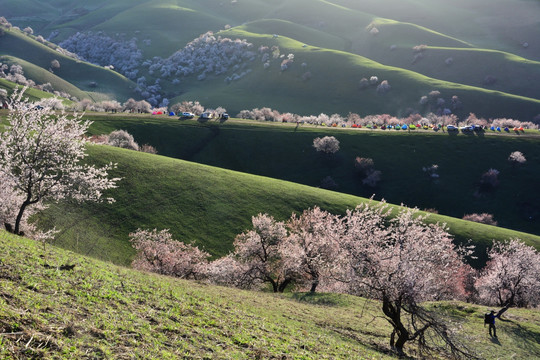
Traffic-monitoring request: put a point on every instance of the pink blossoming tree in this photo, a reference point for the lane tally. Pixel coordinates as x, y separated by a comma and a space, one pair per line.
404, 262
40, 160
511, 276
158, 252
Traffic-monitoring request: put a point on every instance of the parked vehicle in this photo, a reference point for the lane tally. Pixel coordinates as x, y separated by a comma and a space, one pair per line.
451, 128
187, 115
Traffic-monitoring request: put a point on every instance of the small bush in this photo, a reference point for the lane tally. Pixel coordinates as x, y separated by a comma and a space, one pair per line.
328, 183
122, 139
483, 218
327, 144
516, 158
373, 178
489, 180
363, 165
148, 149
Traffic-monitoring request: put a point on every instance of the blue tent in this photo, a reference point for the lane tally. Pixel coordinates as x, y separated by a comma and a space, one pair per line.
498, 128
506, 129
404, 127
492, 128
171, 114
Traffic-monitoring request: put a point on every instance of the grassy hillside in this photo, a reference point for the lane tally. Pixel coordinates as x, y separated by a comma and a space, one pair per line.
73, 76
98, 310
498, 24
285, 152
32, 94
339, 92
204, 205
335, 31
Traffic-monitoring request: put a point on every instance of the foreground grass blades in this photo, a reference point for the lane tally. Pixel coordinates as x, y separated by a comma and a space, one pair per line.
98, 310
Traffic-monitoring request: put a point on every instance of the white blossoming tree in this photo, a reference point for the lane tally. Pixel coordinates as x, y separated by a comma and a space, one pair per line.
40, 160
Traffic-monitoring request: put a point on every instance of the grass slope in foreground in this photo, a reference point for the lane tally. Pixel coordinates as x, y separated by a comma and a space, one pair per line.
205, 205
98, 310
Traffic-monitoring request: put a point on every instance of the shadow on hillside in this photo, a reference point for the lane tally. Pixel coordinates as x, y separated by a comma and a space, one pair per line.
326, 299
194, 150
528, 339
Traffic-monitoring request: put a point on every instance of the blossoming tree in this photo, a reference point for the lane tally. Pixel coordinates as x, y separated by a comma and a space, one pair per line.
40, 159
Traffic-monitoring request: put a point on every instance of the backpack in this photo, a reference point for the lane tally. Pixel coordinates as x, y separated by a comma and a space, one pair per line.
487, 318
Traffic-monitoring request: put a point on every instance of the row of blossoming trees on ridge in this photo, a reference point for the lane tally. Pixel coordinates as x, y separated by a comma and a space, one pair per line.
398, 259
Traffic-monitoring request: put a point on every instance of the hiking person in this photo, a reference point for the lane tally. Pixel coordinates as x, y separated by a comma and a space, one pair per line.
489, 318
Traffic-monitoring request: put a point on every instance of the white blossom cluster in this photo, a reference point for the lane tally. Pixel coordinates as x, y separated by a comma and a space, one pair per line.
104, 50
206, 55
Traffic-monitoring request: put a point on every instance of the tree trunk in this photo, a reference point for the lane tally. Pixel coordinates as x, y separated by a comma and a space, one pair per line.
283, 285
393, 312
314, 284
400, 343
17, 229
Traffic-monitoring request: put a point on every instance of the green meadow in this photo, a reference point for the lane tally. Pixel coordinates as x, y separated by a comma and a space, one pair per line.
206, 206
332, 38
99, 310
284, 151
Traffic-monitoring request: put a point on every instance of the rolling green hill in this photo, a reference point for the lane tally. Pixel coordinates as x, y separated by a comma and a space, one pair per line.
204, 205
32, 94
99, 310
78, 78
340, 93
285, 152
482, 42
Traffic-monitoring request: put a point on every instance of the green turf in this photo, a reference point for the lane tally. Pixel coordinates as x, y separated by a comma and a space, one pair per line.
31, 94
284, 152
467, 33
98, 310
204, 205
79, 74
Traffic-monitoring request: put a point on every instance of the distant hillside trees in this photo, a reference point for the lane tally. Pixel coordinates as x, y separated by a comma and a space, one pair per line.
15, 73
440, 118
205, 55
102, 49
483, 218
133, 106
40, 156
193, 107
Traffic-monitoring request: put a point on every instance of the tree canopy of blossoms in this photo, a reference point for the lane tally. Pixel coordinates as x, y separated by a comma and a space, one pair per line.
403, 261
261, 254
511, 276
517, 157
326, 144
158, 252
40, 159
